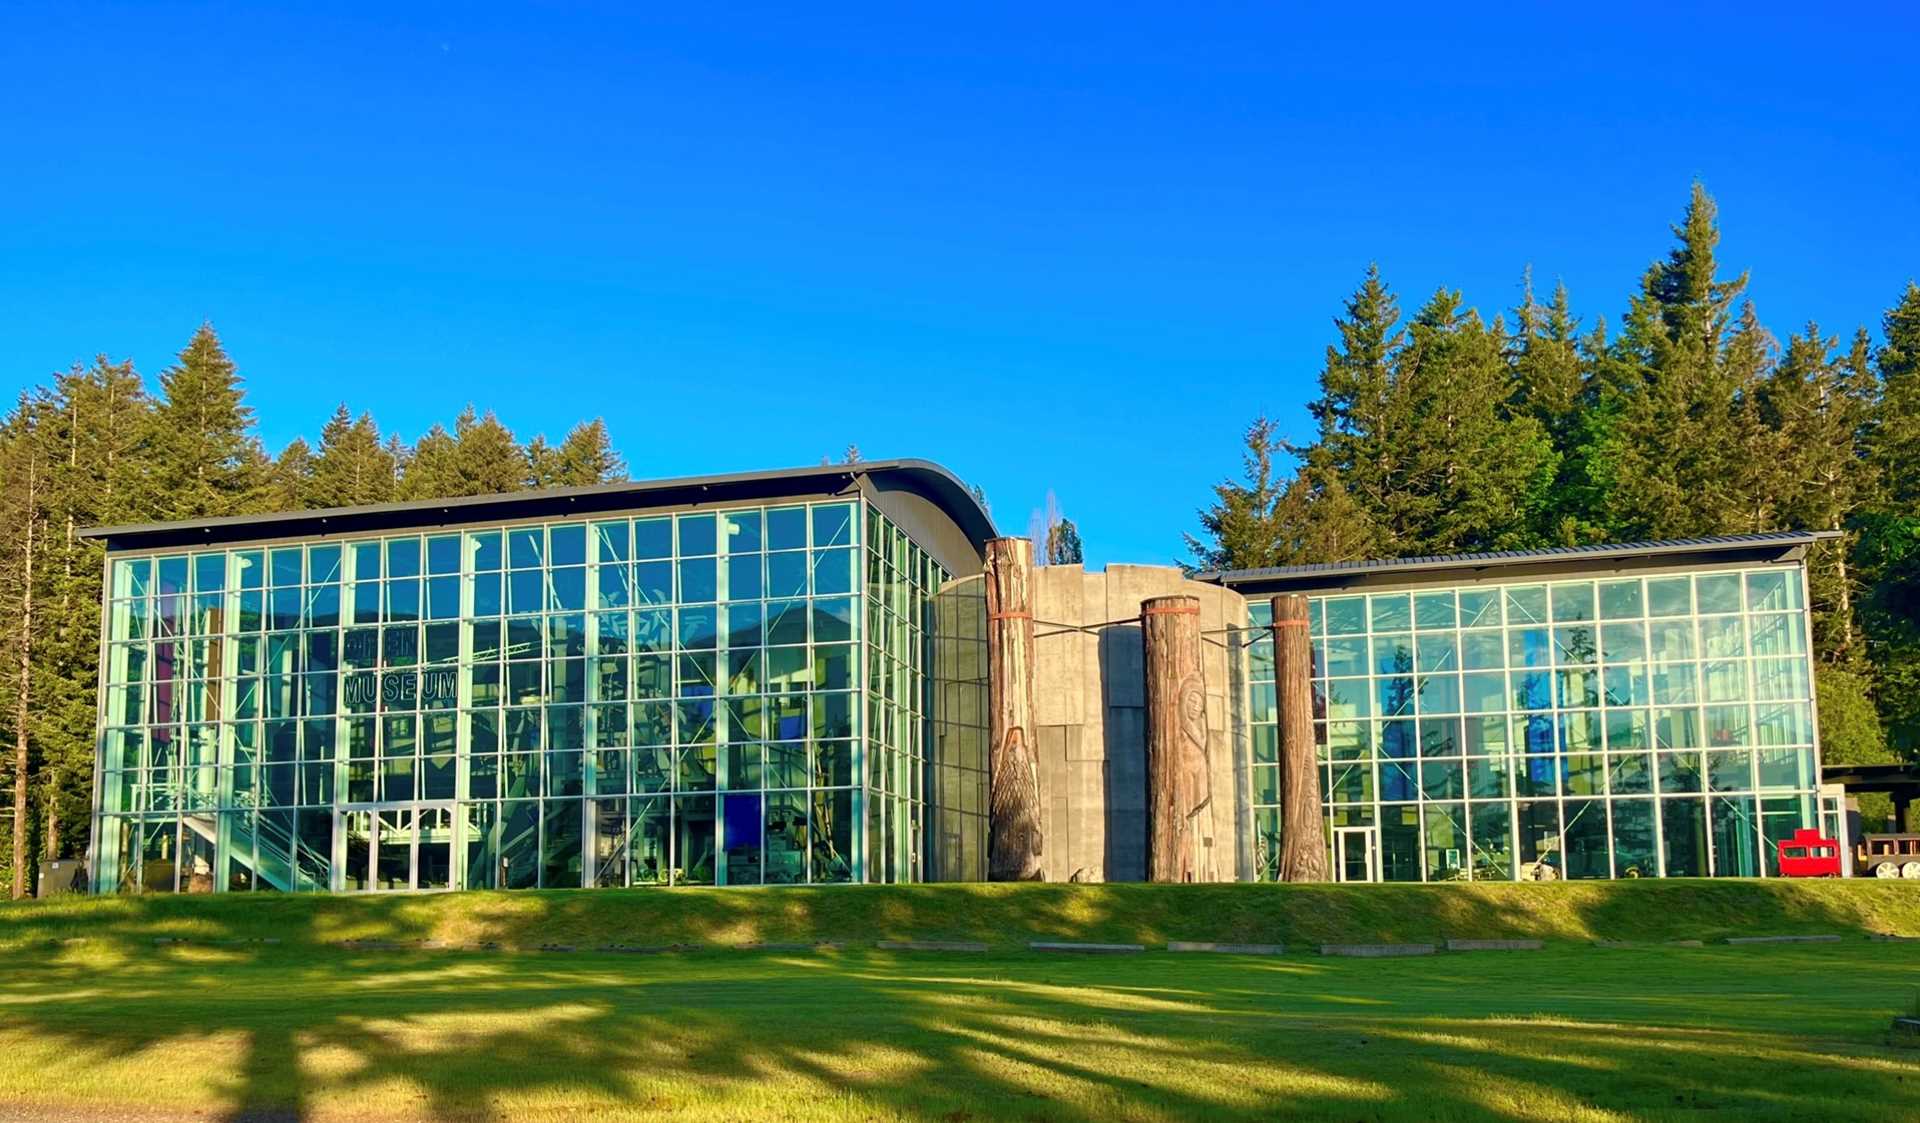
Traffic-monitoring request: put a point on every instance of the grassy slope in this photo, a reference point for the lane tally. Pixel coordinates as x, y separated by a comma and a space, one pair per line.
1007, 914
1793, 1032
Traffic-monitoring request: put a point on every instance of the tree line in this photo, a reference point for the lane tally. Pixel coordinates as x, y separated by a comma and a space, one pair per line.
1450, 433
96, 446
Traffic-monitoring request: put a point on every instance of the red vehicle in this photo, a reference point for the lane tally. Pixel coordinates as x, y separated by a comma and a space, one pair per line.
1809, 854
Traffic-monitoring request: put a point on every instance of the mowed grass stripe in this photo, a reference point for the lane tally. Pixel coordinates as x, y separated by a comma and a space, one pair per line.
1787, 1032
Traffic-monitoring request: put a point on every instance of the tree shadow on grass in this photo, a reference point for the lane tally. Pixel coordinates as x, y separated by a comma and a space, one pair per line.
1778, 1034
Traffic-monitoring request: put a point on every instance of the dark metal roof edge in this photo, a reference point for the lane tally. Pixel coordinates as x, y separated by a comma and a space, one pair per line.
1658, 548
945, 489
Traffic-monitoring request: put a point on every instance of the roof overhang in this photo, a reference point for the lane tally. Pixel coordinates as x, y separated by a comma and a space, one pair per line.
1895, 779
1782, 546
926, 484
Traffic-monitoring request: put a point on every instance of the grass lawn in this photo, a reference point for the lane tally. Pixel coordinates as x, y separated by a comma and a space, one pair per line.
113, 1025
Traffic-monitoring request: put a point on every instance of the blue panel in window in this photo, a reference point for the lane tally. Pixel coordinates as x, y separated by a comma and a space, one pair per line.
833, 524
696, 535
567, 544
526, 547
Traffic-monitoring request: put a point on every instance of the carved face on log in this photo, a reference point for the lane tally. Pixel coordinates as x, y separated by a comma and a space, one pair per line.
1196, 764
1013, 798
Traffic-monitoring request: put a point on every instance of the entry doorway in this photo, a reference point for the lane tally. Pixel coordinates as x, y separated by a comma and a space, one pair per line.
396, 848
1356, 854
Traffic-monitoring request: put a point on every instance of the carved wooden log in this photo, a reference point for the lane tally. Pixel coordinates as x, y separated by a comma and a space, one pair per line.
1013, 773
1303, 847
1179, 763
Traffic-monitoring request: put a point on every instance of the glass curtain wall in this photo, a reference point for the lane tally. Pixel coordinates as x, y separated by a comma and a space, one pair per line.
662, 699
1633, 727
902, 580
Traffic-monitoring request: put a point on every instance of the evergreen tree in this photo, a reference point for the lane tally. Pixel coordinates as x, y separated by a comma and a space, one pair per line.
1894, 446
353, 467
489, 460
1421, 434
585, 458
400, 457
23, 466
1548, 371
1888, 547
89, 425
1063, 544
1354, 409
1810, 473
1264, 520
205, 460
1670, 453
1241, 531
543, 463
433, 467
290, 482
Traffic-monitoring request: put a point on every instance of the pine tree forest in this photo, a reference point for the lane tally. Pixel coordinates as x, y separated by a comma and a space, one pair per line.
1452, 432
97, 445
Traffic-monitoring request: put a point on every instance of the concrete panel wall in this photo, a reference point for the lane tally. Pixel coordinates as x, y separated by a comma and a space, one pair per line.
1089, 706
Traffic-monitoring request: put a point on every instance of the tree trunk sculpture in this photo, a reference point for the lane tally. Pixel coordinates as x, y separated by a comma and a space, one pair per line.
1303, 848
1013, 773
1179, 762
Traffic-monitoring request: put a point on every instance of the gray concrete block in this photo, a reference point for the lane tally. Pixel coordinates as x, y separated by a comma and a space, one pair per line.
932, 945
1493, 945
1227, 949
1087, 949
1376, 951
1783, 939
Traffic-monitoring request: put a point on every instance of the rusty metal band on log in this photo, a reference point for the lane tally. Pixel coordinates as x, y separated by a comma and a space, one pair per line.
1303, 852
1180, 830
1013, 772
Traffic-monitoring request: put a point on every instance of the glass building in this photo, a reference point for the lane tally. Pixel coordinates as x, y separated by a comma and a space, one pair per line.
1622, 711
717, 681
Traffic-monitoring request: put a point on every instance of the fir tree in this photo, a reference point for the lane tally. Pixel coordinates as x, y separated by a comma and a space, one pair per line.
23, 465
1548, 371
1811, 413
290, 482
353, 466
1265, 519
1888, 548
489, 460
543, 463
1421, 435
1894, 446
1063, 544
205, 460
1670, 453
433, 467
90, 423
586, 457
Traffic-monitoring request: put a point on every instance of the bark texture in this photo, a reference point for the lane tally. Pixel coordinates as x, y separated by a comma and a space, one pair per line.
24, 702
1303, 847
1179, 766
1013, 775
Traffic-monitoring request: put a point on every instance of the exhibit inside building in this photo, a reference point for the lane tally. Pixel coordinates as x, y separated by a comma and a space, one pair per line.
840, 674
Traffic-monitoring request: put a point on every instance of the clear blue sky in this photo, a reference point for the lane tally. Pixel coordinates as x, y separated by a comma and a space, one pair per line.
1068, 247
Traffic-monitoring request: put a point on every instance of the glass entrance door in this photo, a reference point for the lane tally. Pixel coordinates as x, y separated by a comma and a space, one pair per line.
393, 848
433, 853
397, 847
1355, 856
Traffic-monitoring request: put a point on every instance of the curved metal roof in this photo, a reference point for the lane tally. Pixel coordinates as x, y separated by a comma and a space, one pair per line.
923, 477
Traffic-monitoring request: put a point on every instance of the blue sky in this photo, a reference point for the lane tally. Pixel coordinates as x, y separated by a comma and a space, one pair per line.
1068, 248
